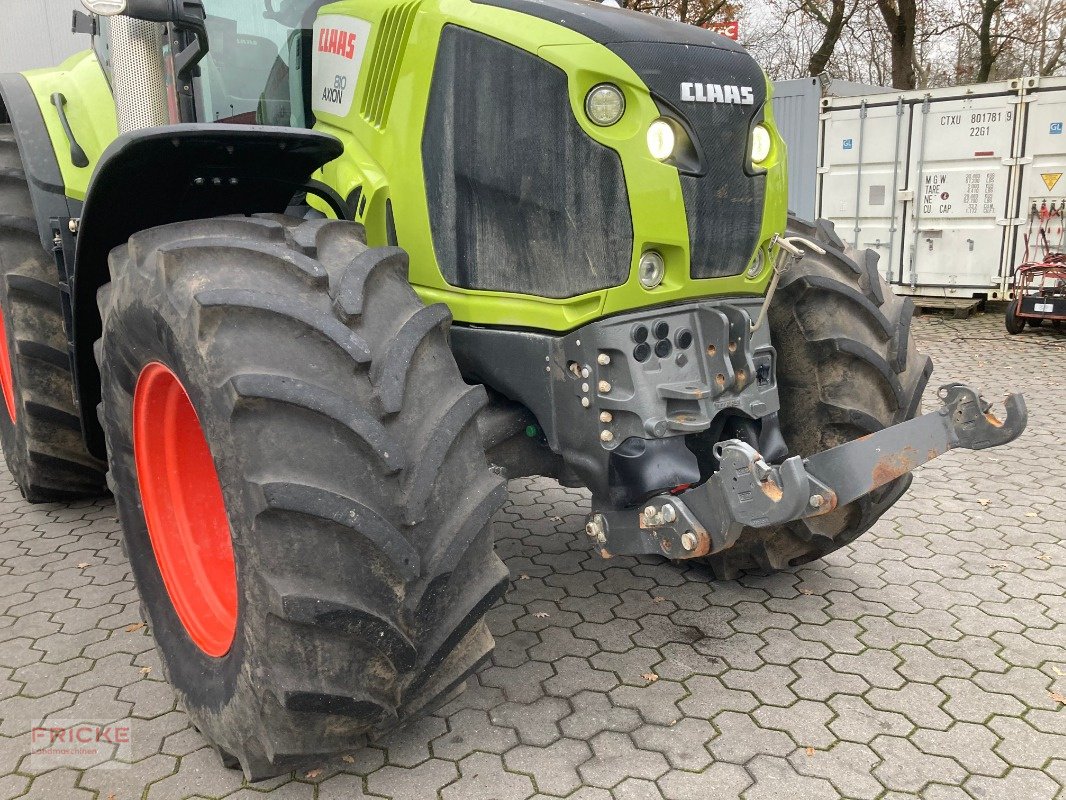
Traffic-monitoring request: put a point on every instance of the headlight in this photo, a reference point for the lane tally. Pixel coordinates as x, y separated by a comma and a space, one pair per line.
760, 143
661, 139
105, 8
605, 104
651, 270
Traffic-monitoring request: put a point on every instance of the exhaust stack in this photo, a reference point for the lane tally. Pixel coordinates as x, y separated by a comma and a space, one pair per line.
139, 74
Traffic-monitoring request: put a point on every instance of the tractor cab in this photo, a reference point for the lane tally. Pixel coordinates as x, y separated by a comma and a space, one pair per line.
256, 71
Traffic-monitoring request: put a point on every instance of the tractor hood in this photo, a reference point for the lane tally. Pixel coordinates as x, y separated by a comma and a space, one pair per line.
716, 90
611, 25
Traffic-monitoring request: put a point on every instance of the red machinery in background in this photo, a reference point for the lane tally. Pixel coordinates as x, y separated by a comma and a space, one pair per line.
1039, 286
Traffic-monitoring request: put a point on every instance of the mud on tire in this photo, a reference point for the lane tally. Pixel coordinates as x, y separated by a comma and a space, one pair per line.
846, 367
357, 491
42, 442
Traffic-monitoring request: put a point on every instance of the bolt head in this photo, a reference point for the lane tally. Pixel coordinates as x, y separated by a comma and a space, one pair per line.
606, 416
585, 402
688, 540
603, 359
585, 372
669, 513
604, 387
606, 436
650, 512
817, 501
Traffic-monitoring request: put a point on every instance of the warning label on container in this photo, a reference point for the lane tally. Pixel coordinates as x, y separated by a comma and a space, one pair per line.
959, 194
1050, 179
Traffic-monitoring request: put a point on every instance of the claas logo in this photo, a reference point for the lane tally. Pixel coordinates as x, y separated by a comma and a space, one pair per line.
338, 42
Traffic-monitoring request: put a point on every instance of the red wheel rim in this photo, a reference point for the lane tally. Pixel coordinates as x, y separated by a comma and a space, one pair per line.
7, 378
184, 510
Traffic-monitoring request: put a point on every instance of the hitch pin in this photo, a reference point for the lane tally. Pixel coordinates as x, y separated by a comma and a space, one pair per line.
787, 255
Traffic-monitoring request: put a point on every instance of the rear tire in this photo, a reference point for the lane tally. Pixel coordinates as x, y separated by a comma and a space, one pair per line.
846, 367
1012, 321
40, 427
356, 488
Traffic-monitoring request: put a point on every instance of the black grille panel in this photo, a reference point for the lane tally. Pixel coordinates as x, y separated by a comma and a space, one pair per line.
725, 204
520, 198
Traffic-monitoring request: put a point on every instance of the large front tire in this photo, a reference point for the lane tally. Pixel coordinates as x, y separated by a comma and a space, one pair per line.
40, 427
846, 367
357, 494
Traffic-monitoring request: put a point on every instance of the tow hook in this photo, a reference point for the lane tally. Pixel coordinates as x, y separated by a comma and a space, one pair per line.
746, 491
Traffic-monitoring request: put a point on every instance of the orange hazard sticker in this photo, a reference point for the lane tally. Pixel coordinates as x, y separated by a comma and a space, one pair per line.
1050, 179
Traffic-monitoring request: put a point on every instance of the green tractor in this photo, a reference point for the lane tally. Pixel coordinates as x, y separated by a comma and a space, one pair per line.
302, 284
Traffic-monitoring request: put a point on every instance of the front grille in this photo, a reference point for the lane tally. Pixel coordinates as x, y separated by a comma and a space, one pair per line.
520, 198
725, 202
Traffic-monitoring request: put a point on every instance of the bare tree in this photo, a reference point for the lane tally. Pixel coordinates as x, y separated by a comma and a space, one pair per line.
695, 12
833, 23
901, 19
906, 43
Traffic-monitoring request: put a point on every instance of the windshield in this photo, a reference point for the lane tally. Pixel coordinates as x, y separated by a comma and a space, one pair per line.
259, 67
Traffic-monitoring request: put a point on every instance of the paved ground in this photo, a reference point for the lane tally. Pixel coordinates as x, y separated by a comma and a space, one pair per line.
928, 660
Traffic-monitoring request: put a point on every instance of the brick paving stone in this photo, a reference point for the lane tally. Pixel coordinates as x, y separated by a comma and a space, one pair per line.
656, 702
774, 779
470, 731
805, 721
1022, 745
128, 781
636, 789
337, 787
905, 768
846, 765
918, 702
594, 713
535, 724
718, 780
1019, 784
919, 662
416, 783
616, 757
55, 784
199, 774
684, 743
411, 746
858, 721
553, 768
973, 746
740, 739
483, 777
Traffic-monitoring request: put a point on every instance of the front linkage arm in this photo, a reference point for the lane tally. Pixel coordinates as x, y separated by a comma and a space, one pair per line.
748, 492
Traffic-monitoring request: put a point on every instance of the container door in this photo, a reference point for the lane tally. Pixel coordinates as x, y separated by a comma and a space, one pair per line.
863, 150
1042, 178
961, 154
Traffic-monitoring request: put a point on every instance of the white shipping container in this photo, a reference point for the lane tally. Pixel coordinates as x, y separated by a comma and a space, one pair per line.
926, 179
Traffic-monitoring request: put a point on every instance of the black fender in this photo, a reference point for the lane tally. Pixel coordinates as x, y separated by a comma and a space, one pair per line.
174, 174
19, 105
